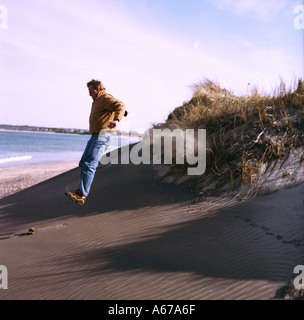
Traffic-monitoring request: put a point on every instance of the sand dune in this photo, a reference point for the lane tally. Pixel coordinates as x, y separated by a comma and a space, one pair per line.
139, 237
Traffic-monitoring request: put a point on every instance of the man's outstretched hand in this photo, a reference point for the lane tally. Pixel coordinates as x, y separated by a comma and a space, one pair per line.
113, 124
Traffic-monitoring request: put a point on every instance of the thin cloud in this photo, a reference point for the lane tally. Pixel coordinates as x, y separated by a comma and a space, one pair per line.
141, 67
150, 68
261, 9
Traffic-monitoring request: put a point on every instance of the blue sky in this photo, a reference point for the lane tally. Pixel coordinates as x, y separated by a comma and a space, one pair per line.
147, 53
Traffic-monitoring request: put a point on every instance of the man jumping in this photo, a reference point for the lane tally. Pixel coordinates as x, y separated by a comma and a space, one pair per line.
105, 112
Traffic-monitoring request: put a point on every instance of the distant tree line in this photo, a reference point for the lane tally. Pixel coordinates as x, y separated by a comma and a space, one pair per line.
42, 129
55, 130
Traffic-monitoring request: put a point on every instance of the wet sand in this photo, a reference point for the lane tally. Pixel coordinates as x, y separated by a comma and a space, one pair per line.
16, 179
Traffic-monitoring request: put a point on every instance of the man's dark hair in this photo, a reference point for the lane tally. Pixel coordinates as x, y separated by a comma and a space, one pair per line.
96, 84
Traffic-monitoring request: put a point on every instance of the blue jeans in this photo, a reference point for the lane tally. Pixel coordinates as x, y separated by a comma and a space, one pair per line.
96, 147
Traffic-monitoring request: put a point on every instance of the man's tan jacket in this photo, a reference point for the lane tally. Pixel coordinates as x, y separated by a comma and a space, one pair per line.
105, 109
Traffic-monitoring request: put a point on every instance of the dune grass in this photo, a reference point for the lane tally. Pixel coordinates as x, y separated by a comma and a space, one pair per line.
243, 132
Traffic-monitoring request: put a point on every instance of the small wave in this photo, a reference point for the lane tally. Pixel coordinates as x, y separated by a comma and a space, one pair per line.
12, 159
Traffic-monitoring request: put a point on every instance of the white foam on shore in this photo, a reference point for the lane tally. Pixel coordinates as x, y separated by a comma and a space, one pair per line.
13, 159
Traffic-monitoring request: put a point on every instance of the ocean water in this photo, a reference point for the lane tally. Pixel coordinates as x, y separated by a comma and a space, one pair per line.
20, 149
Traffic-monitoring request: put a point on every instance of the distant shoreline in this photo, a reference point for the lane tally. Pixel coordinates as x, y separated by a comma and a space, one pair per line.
25, 128
44, 132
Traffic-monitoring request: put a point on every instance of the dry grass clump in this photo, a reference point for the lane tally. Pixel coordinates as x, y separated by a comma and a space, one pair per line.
243, 132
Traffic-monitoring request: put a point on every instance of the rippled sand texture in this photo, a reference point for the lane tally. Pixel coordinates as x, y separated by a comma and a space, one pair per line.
139, 237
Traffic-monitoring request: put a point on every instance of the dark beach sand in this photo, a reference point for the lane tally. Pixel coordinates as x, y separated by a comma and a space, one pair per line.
138, 237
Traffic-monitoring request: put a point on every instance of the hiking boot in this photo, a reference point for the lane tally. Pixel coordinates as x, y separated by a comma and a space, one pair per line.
77, 197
